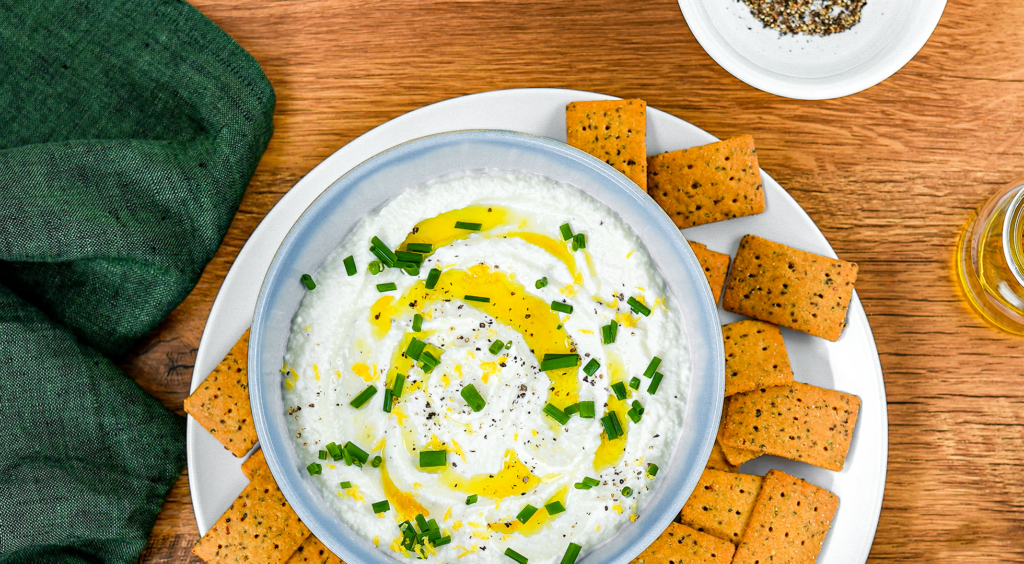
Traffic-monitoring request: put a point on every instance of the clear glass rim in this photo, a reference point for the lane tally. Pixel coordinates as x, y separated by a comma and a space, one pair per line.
1013, 236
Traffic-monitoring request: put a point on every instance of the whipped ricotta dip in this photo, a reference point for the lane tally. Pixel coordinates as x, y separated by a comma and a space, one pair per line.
505, 391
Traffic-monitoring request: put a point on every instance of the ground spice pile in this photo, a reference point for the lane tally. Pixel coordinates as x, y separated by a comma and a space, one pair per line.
809, 17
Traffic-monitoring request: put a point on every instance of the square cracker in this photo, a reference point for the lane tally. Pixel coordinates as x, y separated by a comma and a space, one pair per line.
755, 356
718, 461
716, 267
798, 421
221, 403
789, 287
721, 503
312, 551
733, 455
255, 464
680, 544
614, 131
708, 183
789, 522
259, 526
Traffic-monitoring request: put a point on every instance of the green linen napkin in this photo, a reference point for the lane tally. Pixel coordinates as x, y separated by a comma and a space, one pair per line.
128, 132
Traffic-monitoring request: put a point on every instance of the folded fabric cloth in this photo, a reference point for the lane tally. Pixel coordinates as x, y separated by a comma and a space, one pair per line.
128, 132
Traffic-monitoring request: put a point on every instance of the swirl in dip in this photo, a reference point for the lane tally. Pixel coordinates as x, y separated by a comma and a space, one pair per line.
498, 444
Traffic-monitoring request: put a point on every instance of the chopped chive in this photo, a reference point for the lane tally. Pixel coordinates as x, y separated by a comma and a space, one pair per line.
572, 552
652, 470
376, 462
381, 506
322, 455
581, 486
615, 421
575, 244
433, 458
469, 298
443, 540
432, 526
347, 457
553, 362
374, 267
609, 428
389, 398
638, 307
356, 452
417, 323
396, 388
559, 306
634, 415
406, 256
516, 556
609, 332
346, 485
634, 383
572, 409
387, 287
541, 283
423, 248
592, 367
314, 468
384, 258
412, 270
579, 240
468, 226
496, 347
554, 508
432, 277
526, 513
350, 265
627, 491
415, 348
591, 482
638, 407
379, 245
652, 367
655, 382
334, 450
566, 231
556, 414
508, 344
429, 359
620, 390
363, 397
421, 522
473, 398
308, 281
470, 500
587, 410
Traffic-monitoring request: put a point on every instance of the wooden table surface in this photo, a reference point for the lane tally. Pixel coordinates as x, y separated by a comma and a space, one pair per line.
890, 175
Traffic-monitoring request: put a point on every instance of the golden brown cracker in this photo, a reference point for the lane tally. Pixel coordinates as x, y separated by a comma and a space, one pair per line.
255, 464
715, 265
755, 356
718, 461
312, 551
721, 503
789, 287
680, 544
221, 402
259, 526
614, 131
797, 421
733, 455
789, 522
708, 183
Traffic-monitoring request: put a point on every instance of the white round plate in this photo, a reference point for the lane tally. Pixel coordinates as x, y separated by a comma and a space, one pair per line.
809, 67
850, 364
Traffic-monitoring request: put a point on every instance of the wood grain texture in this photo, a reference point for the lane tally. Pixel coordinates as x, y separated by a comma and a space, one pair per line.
890, 175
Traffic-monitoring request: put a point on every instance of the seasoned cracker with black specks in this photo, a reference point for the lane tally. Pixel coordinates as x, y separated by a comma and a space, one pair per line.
789, 522
721, 504
715, 265
789, 287
708, 183
799, 422
614, 131
680, 544
755, 356
312, 551
221, 402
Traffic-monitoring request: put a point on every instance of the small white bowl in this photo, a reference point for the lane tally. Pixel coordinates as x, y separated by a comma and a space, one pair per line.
332, 216
809, 67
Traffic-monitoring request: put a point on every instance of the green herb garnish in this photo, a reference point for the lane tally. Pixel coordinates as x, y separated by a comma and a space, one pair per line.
468, 226
566, 231
357, 453
620, 390
473, 398
384, 250
387, 287
322, 455
417, 323
652, 470
571, 553
592, 367
476, 299
526, 513
554, 508
334, 450
433, 458
405, 256
556, 414
627, 491
350, 265
609, 332
432, 277
496, 347
655, 382
314, 468
396, 388
374, 267
381, 506
471, 499
541, 283
587, 410
634, 383
389, 398
415, 348
559, 306
308, 281
423, 248
376, 462
556, 361
346, 485
363, 397
516, 556
652, 367
638, 307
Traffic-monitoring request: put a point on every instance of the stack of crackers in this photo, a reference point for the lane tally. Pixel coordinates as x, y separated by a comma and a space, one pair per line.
734, 517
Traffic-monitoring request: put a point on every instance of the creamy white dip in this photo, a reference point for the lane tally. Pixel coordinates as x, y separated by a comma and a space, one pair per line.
348, 336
